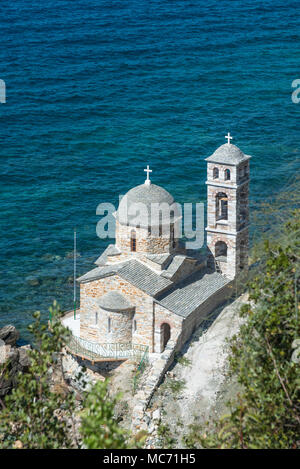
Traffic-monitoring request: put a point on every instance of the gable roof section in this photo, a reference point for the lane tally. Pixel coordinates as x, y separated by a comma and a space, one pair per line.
114, 301
100, 272
134, 272
228, 154
111, 250
187, 296
174, 266
159, 259
143, 278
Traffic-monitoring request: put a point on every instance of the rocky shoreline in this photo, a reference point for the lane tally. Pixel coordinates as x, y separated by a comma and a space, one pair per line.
15, 358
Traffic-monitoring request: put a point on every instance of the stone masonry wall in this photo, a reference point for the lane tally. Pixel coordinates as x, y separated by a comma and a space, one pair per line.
228, 267
148, 317
192, 322
212, 222
234, 230
221, 168
114, 327
143, 303
161, 316
144, 241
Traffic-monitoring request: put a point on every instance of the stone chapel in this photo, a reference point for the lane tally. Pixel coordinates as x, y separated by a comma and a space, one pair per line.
149, 289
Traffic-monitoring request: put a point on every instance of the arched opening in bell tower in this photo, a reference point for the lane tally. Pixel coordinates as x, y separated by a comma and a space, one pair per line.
227, 174
215, 173
221, 206
221, 250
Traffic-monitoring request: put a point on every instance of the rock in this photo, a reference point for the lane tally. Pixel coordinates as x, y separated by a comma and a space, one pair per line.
9, 335
13, 357
2, 351
8, 376
156, 415
24, 361
16, 359
151, 428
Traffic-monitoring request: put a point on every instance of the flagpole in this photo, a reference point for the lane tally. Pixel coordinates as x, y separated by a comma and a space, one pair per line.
74, 274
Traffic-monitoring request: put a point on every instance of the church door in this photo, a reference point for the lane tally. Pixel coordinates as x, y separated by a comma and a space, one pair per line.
165, 334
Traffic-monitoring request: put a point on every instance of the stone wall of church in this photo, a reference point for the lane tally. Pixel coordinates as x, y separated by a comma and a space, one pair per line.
238, 174
193, 321
144, 241
221, 178
162, 316
243, 206
232, 231
114, 327
228, 265
227, 225
237, 251
142, 320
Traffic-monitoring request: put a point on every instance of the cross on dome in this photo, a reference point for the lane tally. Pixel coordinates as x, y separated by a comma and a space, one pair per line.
148, 182
228, 138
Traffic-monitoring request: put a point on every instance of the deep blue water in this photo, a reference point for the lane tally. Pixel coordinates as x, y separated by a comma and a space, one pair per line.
96, 89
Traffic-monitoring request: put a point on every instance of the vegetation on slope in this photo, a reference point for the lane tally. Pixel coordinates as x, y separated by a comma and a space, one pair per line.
38, 415
266, 414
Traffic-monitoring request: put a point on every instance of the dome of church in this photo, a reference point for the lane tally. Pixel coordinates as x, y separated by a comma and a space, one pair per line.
228, 154
147, 194
114, 301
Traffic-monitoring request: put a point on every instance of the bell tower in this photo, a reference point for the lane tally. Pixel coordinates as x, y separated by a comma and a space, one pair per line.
228, 208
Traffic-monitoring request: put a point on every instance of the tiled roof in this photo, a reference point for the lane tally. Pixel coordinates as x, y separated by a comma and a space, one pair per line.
175, 265
188, 295
111, 250
228, 154
143, 278
134, 272
114, 301
158, 258
100, 272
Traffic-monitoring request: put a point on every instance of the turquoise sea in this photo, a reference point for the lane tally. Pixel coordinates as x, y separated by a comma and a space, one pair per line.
97, 89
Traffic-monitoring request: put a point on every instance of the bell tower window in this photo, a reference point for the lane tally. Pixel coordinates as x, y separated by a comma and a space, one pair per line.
227, 174
221, 206
215, 173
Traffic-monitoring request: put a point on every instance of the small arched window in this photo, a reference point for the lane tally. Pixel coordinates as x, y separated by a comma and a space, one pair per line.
96, 318
109, 325
227, 174
134, 325
215, 173
133, 241
221, 206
